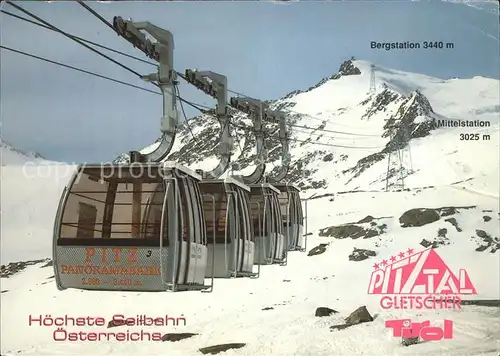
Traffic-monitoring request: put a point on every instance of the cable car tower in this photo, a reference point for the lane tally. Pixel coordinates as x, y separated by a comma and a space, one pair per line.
165, 77
139, 226
290, 202
275, 241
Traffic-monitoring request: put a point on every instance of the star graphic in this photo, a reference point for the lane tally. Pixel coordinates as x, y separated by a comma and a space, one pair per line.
384, 262
376, 266
401, 255
410, 251
393, 258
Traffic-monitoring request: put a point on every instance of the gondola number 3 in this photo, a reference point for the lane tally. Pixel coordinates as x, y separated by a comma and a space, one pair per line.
148, 254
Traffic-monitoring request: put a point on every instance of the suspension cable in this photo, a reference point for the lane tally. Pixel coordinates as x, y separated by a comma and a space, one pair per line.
196, 106
93, 12
108, 24
77, 69
73, 38
177, 91
291, 139
302, 126
80, 38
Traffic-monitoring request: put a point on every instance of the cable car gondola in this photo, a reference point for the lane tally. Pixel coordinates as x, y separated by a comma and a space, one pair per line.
234, 240
134, 227
292, 215
267, 224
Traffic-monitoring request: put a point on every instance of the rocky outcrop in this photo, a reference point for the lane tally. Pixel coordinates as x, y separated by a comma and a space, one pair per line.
424, 216
454, 222
360, 315
359, 254
15, 267
353, 231
213, 350
381, 102
440, 240
413, 119
318, 250
418, 217
346, 68
486, 241
173, 337
324, 311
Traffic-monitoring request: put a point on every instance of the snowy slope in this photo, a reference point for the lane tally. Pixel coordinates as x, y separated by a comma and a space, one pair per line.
29, 188
447, 173
234, 311
350, 146
29, 198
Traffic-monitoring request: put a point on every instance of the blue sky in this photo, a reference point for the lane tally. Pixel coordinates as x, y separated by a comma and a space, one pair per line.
265, 49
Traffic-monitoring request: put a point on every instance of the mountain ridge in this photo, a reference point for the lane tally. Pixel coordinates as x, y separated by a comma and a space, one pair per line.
348, 129
12, 155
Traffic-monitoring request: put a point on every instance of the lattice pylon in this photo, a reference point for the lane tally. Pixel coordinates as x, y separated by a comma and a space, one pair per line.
372, 79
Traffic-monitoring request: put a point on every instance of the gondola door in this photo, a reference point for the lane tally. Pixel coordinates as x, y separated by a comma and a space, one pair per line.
292, 227
249, 233
197, 249
300, 222
242, 243
246, 232
277, 222
268, 228
186, 233
232, 229
179, 245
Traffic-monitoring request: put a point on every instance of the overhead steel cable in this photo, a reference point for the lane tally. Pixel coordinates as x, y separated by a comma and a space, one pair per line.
317, 143
302, 126
247, 129
108, 24
195, 106
185, 116
74, 38
79, 38
198, 107
77, 69
93, 12
309, 116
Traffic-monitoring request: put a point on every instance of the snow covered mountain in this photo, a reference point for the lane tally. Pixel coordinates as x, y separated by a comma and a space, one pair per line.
10, 155
342, 135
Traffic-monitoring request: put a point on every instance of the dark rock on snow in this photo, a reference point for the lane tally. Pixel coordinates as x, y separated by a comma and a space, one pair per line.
212, 350
352, 231
173, 337
418, 217
359, 316
487, 242
324, 311
366, 219
15, 267
361, 254
425, 243
454, 222
318, 250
